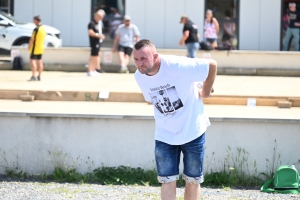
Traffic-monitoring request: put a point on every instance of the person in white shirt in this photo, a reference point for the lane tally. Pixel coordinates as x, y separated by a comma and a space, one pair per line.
170, 83
127, 34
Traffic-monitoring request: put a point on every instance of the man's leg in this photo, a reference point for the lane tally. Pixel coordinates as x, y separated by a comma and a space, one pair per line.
92, 65
126, 59
40, 66
98, 61
288, 35
193, 158
295, 32
33, 66
168, 191
189, 50
167, 159
192, 191
194, 48
122, 58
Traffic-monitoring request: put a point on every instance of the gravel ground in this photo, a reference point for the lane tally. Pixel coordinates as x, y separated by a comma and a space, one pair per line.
13, 190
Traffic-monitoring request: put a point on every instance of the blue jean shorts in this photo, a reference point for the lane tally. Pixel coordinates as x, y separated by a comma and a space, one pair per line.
167, 159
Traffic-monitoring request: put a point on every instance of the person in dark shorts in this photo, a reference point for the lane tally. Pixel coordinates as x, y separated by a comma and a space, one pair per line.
96, 37
127, 34
190, 36
36, 48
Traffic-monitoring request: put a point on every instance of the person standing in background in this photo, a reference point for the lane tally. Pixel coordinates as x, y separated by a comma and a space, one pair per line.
190, 36
114, 23
127, 35
229, 28
211, 29
36, 48
96, 37
293, 29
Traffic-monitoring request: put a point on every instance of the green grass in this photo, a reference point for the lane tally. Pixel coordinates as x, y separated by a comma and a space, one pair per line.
235, 172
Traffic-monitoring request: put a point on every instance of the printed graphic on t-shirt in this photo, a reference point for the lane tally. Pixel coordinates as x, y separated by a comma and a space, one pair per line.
166, 99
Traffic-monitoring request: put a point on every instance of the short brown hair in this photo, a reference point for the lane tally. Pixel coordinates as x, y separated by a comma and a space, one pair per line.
143, 43
37, 18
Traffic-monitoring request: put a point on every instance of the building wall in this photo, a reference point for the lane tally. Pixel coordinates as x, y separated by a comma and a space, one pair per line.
158, 20
260, 25
69, 16
42, 141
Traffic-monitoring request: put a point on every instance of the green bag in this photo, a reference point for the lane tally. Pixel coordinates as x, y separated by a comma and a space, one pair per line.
285, 181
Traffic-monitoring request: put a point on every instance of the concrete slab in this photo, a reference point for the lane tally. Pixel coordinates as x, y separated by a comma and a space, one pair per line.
141, 111
224, 85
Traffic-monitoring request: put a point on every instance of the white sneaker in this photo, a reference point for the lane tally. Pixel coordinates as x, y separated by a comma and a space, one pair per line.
123, 70
90, 74
96, 73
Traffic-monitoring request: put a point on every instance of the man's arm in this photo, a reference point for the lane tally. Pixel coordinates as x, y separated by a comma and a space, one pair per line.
208, 83
184, 37
137, 38
95, 35
30, 43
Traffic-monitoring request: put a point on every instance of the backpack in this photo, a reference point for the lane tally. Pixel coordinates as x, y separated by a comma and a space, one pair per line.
17, 63
204, 45
285, 181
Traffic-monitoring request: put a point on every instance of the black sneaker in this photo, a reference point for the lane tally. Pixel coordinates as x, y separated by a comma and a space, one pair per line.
38, 78
32, 78
100, 71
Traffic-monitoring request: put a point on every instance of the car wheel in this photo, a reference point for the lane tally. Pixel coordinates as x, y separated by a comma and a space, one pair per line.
23, 43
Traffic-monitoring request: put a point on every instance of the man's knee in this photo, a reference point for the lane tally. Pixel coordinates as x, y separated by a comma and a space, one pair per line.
169, 184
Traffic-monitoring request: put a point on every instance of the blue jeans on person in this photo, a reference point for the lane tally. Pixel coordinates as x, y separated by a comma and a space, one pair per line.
288, 34
167, 159
192, 48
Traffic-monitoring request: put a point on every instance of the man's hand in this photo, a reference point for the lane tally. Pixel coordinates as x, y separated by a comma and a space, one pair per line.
207, 87
114, 49
297, 24
180, 43
101, 37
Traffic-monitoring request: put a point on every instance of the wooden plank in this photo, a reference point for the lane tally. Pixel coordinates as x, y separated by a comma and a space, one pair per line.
284, 104
295, 102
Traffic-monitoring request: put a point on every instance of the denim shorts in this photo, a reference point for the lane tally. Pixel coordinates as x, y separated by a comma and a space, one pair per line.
168, 157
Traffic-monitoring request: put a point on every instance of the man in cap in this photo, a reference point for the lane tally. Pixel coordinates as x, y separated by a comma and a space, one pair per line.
96, 37
190, 36
127, 34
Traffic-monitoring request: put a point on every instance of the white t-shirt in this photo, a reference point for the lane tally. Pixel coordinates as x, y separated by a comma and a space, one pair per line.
100, 27
127, 34
178, 108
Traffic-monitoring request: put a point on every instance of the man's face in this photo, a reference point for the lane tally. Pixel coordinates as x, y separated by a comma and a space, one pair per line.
127, 22
183, 20
144, 59
98, 17
36, 22
292, 8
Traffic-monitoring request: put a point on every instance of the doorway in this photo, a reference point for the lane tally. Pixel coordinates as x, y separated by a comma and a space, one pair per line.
227, 14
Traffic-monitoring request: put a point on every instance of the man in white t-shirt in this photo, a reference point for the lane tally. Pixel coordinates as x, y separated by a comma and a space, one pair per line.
127, 34
170, 84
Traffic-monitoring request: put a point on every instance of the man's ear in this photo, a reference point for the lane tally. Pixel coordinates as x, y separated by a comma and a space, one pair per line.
155, 56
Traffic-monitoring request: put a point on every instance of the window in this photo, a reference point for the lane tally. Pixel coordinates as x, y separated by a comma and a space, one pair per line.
227, 14
5, 5
115, 10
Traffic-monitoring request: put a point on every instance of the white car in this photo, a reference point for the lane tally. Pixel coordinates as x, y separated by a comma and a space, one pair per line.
14, 33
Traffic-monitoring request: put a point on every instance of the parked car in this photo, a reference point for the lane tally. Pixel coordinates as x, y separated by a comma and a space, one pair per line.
15, 33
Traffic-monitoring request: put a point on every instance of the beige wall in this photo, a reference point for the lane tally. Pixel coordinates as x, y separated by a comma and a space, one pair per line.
34, 144
231, 59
